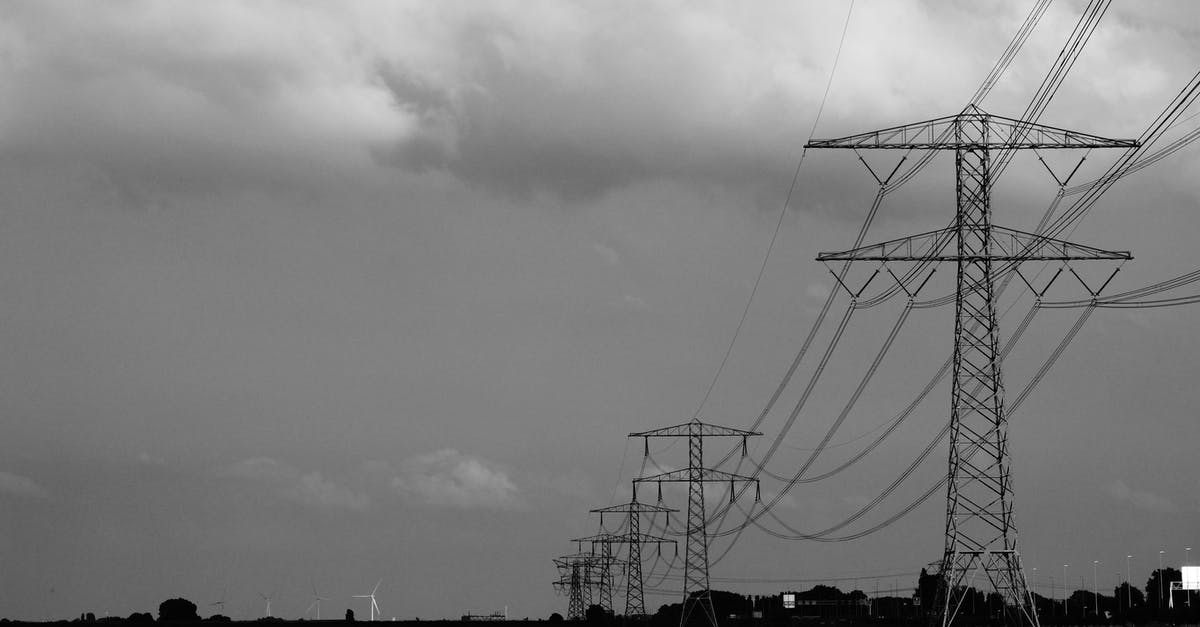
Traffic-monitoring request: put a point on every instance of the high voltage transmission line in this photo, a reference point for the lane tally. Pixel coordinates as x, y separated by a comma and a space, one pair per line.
1049, 86
988, 258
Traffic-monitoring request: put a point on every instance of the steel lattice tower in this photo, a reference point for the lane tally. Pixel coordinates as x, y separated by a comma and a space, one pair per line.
603, 564
576, 575
571, 580
980, 535
635, 605
695, 565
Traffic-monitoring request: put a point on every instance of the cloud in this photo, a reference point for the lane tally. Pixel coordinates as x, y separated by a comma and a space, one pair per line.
1141, 500
310, 489
225, 94
20, 486
146, 459
317, 491
449, 478
610, 255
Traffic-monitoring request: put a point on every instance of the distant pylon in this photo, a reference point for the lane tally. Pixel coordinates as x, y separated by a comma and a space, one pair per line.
602, 565
635, 604
695, 564
980, 534
576, 575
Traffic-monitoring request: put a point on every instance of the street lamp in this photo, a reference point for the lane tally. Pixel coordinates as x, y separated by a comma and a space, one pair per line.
1187, 561
1117, 590
1095, 588
1160, 580
1066, 595
1128, 587
1033, 587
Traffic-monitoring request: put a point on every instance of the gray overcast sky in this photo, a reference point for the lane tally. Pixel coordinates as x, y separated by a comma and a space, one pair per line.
301, 293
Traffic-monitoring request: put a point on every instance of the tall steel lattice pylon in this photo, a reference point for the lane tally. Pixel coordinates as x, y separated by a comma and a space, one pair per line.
695, 564
603, 564
572, 582
576, 576
635, 603
980, 535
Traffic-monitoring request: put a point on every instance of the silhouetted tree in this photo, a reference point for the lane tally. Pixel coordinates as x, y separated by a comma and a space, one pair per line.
141, 617
1128, 597
556, 618
597, 614
219, 618
177, 609
1153, 600
927, 586
349, 615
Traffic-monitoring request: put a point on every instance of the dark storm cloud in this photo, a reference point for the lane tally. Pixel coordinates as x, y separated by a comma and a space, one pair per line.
347, 267
607, 101
187, 99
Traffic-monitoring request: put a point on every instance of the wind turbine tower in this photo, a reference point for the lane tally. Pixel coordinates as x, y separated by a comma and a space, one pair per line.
316, 602
267, 598
374, 606
220, 603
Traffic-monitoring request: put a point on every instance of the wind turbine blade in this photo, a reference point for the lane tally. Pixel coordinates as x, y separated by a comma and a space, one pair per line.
377, 586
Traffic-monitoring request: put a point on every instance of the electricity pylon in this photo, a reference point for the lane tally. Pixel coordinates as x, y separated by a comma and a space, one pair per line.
695, 562
573, 582
603, 564
576, 575
635, 604
980, 535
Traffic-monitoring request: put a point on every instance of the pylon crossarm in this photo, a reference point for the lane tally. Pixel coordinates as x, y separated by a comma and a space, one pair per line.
704, 430
912, 248
971, 129
1006, 245
625, 538
634, 507
685, 475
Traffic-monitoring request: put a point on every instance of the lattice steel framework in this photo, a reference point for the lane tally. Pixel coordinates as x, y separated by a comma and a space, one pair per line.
635, 604
695, 564
603, 564
980, 535
572, 582
576, 574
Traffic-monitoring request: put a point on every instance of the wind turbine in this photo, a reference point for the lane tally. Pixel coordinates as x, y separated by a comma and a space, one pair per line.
267, 598
220, 603
316, 602
374, 605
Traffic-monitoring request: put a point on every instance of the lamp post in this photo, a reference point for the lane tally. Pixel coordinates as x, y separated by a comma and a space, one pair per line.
1033, 588
1128, 587
1160, 581
1066, 595
1095, 588
1187, 561
1117, 590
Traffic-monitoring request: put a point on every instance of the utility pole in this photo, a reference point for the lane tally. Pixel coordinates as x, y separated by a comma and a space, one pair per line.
980, 534
635, 604
695, 558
